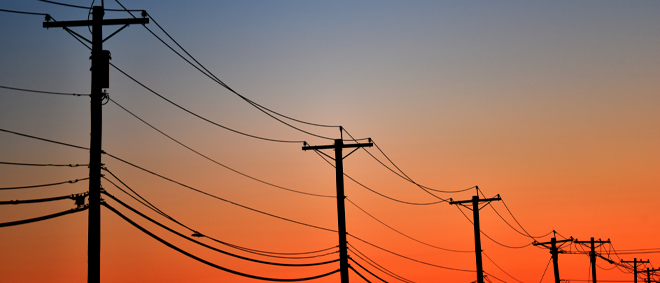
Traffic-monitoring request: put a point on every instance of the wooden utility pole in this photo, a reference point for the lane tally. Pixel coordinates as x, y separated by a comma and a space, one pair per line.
477, 231
634, 262
648, 274
554, 250
592, 254
341, 214
100, 80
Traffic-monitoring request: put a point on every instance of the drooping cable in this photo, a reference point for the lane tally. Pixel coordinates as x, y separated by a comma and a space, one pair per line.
409, 237
526, 234
41, 91
42, 164
44, 185
24, 201
521, 227
288, 255
210, 75
409, 258
23, 12
207, 262
373, 191
46, 217
142, 200
214, 78
83, 7
213, 160
482, 232
401, 174
367, 270
217, 197
514, 229
375, 265
358, 273
546, 269
42, 139
488, 275
168, 179
211, 247
199, 116
491, 260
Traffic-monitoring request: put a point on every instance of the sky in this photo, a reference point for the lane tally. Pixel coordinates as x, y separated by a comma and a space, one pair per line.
553, 106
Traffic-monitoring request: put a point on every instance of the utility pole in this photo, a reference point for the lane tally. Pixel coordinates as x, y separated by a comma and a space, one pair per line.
592, 254
634, 262
648, 274
477, 231
341, 214
100, 80
554, 250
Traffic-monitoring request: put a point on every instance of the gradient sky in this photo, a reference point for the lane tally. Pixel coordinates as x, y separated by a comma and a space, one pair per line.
553, 105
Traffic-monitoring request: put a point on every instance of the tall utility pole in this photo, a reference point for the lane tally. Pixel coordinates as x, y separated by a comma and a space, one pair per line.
554, 250
100, 80
634, 262
341, 214
477, 231
592, 254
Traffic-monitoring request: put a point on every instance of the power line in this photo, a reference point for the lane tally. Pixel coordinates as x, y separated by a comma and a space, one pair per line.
209, 74
482, 232
403, 174
42, 139
44, 185
491, 260
23, 12
207, 262
373, 191
367, 270
213, 160
142, 200
43, 164
83, 7
546, 269
409, 258
46, 217
210, 247
491, 275
74, 196
217, 197
198, 234
199, 116
409, 237
178, 183
40, 91
375, 265
358, 273
526, 234
217, 80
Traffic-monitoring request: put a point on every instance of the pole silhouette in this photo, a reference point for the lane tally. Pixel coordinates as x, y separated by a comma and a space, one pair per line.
634, 262
592, 254
477, 231
341, 214
100, 80
554, 251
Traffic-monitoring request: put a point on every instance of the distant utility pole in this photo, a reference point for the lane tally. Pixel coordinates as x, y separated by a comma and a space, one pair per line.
648, 274
100, 80
554, 250
592, 254
477, 231
341, 214
634, 262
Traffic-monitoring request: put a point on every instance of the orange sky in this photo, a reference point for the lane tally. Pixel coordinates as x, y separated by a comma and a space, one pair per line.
553, 106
